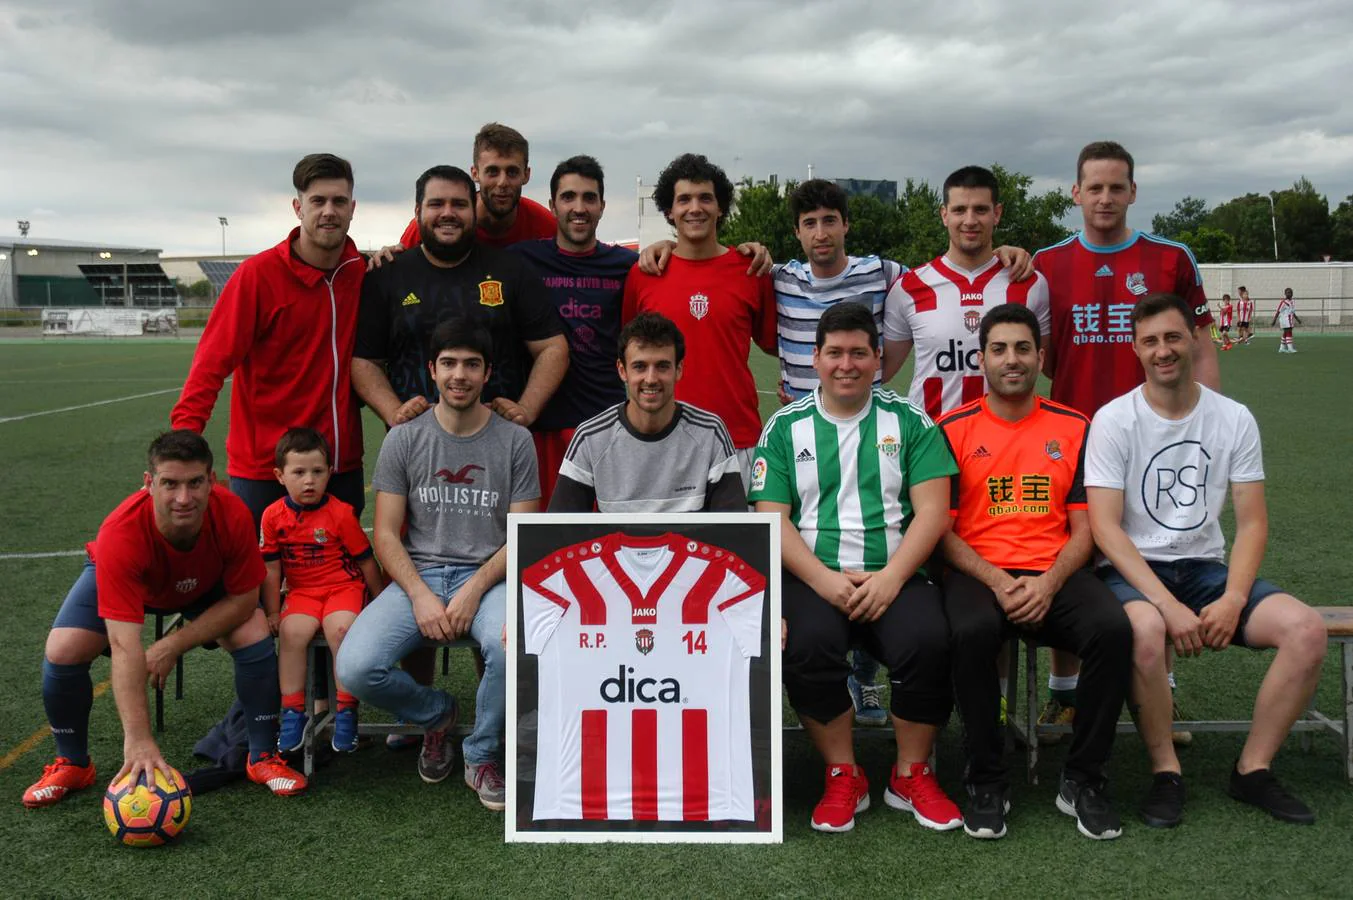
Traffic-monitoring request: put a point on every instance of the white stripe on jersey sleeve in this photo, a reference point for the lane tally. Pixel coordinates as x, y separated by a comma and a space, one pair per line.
542, 610
740, 606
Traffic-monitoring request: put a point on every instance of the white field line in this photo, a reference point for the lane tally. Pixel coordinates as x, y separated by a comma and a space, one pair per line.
62, 409
57, 554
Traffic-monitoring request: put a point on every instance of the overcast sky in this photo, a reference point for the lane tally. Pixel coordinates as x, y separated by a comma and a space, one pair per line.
140, 122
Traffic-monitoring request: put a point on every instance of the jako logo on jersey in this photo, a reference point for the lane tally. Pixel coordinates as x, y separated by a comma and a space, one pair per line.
1053, 449
889, 446
643, 641
971, 298
645, 612
185, 585
410, 300
699, 305
1136, 284
490, 293
575, 310
459, 477
624, 688
954, 359
972, 320
1104, 272
320, 536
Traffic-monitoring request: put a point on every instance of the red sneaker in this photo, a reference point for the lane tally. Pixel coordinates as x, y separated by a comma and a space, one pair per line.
921, 795
58, 780
847, 793
280, 778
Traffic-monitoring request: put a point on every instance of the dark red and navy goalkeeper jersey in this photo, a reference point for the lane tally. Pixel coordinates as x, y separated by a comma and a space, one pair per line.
1092, 291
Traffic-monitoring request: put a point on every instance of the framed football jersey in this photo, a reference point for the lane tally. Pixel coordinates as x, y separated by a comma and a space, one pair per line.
643, 680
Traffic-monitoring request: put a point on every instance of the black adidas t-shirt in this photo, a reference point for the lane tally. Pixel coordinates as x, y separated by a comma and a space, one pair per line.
403, 301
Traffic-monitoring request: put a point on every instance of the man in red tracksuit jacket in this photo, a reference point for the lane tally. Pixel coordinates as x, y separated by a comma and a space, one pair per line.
285, 326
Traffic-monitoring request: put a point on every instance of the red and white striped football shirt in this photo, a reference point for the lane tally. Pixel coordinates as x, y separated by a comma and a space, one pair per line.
644, 708
939, 307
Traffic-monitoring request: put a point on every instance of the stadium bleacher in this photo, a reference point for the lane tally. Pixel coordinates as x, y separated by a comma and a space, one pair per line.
218, 272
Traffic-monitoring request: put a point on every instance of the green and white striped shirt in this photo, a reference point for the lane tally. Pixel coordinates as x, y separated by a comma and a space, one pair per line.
846, 480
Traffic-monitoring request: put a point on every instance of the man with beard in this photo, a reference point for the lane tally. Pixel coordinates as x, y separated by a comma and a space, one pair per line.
445, 483
585, 281
451, 275
1018, 552
502, 168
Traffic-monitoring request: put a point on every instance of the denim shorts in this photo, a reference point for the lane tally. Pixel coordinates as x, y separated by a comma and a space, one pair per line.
1194, 583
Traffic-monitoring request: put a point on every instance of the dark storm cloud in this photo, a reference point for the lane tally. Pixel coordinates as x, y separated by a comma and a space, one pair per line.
141, 122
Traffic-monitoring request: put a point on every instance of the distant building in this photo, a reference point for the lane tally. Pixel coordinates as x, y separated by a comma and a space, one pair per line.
51, 272
863, 187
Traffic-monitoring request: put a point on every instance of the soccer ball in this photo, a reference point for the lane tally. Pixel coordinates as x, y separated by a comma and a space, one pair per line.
141, 815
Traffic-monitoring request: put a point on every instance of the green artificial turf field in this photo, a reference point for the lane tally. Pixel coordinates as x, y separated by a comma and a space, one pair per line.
370, 827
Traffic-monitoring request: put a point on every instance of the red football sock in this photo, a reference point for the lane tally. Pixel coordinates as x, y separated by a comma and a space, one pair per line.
346, 700
295, 700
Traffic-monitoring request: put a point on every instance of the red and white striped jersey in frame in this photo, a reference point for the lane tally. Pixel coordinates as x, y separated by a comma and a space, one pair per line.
939, 307
644, 649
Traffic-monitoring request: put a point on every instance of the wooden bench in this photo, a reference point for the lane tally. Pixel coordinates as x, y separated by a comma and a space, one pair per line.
1025, 728
322, 723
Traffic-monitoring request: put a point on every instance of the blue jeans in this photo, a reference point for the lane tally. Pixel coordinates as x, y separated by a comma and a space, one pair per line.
385, 632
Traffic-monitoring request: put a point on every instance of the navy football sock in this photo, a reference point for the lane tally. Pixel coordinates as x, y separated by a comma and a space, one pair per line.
68, 695
256, 686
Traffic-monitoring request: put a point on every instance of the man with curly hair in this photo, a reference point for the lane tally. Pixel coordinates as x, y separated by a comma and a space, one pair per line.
707, 292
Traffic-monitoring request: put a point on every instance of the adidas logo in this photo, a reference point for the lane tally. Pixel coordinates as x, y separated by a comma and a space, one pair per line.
981, 453
1104, 272
805, 456
410, 300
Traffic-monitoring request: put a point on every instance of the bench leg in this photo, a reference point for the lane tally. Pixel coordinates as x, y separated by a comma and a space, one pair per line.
1031, 710
308, 746
1347, 647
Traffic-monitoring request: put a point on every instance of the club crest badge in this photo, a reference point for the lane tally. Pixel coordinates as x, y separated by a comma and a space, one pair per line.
1136, 284
490, 293
972, 320
321, 536
699, 305
643, 641
890, 446
1053, 449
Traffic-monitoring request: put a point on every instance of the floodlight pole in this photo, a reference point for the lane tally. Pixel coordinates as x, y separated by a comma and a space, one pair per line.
224, 223
1273, 218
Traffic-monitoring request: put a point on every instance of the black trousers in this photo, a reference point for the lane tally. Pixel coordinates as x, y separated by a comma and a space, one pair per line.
1084, 618
910, 638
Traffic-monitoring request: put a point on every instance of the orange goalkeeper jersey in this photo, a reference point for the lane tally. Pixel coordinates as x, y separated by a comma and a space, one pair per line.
1016, 481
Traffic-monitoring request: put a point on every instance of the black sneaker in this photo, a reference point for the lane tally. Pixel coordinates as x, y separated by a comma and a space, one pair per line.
1090, 806
1262, 789
1164, 803
984, 814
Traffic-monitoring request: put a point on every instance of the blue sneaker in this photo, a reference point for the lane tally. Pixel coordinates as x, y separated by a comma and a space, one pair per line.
345, 730
291, 735
868, 702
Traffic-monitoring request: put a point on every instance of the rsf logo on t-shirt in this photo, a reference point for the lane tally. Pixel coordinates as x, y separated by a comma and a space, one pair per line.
1174, 486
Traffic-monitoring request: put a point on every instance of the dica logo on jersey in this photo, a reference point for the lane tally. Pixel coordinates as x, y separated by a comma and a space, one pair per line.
955, 359
625, 688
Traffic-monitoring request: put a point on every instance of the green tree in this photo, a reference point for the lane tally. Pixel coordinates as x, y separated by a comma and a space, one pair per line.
1209, 245
1246, 220
1188, 216
761, 213
875, 227
1031, 221
1341, 231
1304, 233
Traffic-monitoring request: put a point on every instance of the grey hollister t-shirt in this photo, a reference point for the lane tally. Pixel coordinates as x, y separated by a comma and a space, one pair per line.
458, 488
